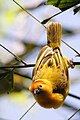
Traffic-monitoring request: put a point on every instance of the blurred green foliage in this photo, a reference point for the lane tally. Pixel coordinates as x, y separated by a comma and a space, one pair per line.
63, 4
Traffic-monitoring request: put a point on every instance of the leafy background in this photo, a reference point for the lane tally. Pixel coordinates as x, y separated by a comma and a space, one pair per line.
24, 36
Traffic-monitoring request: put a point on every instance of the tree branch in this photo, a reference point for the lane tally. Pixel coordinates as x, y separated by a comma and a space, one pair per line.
76, 63
71, 48
74, 96
16, 57
22, 75
18, 66
32, 65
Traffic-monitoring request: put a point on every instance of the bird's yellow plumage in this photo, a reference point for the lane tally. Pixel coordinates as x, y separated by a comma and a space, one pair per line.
50, 84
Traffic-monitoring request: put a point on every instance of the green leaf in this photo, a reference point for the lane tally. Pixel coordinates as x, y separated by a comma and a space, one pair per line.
6, 81
63, 4
77, 9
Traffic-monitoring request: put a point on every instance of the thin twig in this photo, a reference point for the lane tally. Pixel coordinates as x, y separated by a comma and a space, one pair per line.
73, 114
71, 47
74, 96
5, 74
30, 65
46, 20
18, 66
16, 57
44, 25
22, 75
28, 13
27, 111
76, 63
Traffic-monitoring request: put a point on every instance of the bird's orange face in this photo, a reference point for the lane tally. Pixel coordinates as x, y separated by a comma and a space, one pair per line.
39, 87
44, 95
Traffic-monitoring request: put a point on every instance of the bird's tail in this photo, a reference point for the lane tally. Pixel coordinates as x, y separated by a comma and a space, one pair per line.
54, 33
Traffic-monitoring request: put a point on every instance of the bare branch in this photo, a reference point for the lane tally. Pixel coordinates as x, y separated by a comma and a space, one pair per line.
18, 66
72, 63
74, 114
74, 96
76, 63
22, 75
46, 20
29, 13
27, 111
71, 48
16, 57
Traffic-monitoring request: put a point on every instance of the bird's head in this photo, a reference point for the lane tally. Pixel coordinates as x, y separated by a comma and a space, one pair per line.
39, 87
42, 92
44, 95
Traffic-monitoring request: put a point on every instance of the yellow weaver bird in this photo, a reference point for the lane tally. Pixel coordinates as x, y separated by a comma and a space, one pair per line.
50, 84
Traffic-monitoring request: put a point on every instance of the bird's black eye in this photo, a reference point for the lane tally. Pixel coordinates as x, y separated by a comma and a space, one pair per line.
40, 86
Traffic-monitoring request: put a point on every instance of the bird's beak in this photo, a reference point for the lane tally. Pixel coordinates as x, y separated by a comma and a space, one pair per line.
37, 91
